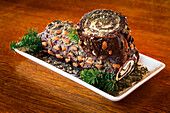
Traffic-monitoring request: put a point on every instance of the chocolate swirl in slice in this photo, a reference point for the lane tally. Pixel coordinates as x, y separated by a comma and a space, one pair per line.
101, 23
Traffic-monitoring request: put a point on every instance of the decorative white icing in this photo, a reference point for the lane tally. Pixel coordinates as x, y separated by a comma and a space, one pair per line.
125, 69
94, 30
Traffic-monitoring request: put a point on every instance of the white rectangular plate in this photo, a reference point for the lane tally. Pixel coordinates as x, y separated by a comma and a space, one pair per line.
153, 66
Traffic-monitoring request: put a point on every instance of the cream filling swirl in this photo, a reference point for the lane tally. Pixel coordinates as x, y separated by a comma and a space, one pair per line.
102, 25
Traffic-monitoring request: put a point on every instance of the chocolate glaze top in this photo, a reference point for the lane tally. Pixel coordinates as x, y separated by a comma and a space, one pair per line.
102, 23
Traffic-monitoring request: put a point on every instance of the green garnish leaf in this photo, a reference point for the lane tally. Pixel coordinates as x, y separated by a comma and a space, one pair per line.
103, 81
90, 76
30, 43
73, 35
31, 32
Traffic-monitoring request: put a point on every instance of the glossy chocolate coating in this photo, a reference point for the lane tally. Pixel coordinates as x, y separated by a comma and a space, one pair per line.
111, 50
105, 26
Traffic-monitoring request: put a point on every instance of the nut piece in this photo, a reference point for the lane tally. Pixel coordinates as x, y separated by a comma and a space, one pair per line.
89, 61
59, 56
98, 66
102, 57
85, 43
63, 48
80, 47
116, 65
50, 52
80, 43
131, 46
49, 41
56, 38
82, 64
65, 32
51, 32
104, 45
67, 41
67, 60
64, 53
110, 52
58, 31
44, 43
80, 58
74, 47
71, 54
75, 64
57, 47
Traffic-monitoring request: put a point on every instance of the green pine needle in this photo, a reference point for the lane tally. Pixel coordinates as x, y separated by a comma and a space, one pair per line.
31, 32
90, 76
29, 42
73, 35
103, 81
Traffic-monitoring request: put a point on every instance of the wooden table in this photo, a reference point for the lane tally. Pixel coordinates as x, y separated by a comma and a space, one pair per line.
26, 86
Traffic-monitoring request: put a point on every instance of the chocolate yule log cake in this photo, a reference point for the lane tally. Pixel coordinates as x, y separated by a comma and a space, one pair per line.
104, 42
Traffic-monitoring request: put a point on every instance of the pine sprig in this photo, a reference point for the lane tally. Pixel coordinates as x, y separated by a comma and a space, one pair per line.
103, 81
31, 32
108, 85
13, 45
73, 35
30, 42
90, 76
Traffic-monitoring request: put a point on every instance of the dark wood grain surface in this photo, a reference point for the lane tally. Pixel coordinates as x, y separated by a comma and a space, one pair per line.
26, 86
